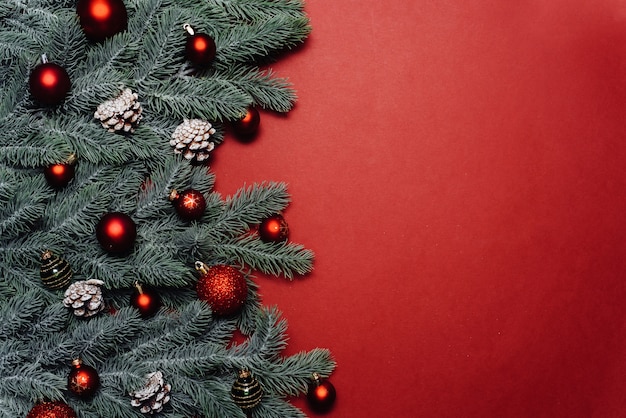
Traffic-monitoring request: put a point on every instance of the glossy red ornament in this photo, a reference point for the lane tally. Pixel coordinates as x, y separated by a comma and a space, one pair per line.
189, 204
223, 287
200, 48
248, 124
49, 83
146, 300
321, 394
274, 229
116, 233
101, 19
83, 381
59, 175
56, 409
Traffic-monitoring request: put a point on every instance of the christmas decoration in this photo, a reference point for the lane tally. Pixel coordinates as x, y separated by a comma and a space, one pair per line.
83, 381
189, 204
116, 233
49, 83
321, 394
223, 287
85, 298
248, 124
146, 300
274, 229
200, 47
56, 409
121, 114
101, 19
191, 139
55, 272
246, 391
59, 175
153, 396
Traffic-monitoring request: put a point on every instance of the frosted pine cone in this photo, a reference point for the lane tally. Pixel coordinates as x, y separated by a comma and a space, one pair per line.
121, 114
191, 138
85, 298
153, 396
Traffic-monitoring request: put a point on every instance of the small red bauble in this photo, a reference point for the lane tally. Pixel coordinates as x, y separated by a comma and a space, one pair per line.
116, 233
101, 19
83, 381
248, 124
274, 229
56, 409
223, 287
321, 395
59, 175
200, 48
49, 83
145, 300
189, 204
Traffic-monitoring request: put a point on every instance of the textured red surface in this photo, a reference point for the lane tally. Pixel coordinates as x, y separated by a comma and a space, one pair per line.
459, 169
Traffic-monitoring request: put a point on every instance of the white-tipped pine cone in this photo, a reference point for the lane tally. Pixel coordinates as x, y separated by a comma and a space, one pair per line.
85, 298
191, 139
121, 114
153, 396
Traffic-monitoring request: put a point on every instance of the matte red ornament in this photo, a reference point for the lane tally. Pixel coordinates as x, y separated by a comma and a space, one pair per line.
59, 175
274, 229
56, 409
146, 300
321, 394
189, 204
116, 233
248, 124
49, 83
101, 19
83, 381
223, 287
200, 48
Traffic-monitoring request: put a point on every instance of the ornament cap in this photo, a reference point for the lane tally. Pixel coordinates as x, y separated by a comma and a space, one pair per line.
77, 362
189, 29
201, 267
174, 195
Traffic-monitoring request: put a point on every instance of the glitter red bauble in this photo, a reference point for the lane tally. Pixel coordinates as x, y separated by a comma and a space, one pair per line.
189, 204
49, 83
146, 300
101, 19
83, 381
116, 233
55, 409
274, 229
223, 287
200, 49
321, 395
248, 124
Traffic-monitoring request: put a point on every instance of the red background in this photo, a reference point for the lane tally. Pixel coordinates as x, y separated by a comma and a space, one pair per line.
459, 169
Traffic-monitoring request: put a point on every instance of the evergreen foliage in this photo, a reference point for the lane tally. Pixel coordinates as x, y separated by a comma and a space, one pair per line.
134, 174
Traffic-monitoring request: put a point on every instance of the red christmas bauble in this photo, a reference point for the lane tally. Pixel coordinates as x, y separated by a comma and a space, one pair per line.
248, 124
49, 83
56, 409
274, 229
223, 287
116, 233
145, 300
59, 175
189, 204
101, 19
321, 395
83, 381
200, 49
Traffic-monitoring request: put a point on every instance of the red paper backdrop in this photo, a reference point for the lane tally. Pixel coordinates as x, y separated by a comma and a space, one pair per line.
459, 169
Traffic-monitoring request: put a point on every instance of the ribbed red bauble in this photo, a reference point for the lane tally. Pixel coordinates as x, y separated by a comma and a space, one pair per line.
56, 409
223, 287
116, 233
49, 83
101, 19
189, 204
248, 124
146, 300
200, 48
274, 229
83, 381
321, 394
59, 175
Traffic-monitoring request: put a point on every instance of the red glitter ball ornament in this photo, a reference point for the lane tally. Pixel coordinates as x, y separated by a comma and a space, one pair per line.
274, 229
223, 287
116, 233
59, 175
189, 204
145, 300
321, 394
248, 124
56, 409
49, 83
200, 48
83, 381
101, 19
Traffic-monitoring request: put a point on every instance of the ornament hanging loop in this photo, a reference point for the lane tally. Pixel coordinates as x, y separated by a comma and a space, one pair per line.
44, 59
189, 29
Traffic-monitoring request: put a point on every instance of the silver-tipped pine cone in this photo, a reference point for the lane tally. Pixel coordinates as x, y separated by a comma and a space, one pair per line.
121, 114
